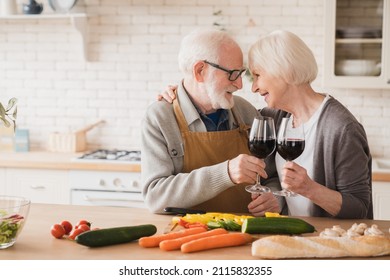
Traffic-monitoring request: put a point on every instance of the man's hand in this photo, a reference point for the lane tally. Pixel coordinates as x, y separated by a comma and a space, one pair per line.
244, 169
168, 95
266, 202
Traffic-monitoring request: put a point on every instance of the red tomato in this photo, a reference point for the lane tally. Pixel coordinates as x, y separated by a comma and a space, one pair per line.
67, 226
83, 222
57, 231
84, 227
75, 232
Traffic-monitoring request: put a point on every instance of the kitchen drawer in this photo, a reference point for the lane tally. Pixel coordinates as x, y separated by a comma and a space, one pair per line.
2, 180
107, 198
38, 185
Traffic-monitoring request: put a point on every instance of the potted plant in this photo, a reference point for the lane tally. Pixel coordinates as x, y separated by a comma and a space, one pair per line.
8, 114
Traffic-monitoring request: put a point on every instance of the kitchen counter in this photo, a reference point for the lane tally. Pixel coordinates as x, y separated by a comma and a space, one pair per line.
61, 161
36, 242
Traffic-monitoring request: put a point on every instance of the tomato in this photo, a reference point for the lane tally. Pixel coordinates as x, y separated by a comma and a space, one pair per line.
75, 232
67, 226
84, 227
57, 231
83, 222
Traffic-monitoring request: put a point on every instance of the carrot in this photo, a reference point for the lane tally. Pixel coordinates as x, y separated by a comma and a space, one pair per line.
174, 244
154, 240
216, 241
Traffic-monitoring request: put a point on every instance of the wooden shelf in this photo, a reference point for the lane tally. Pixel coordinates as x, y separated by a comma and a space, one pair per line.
359, 41
78, 20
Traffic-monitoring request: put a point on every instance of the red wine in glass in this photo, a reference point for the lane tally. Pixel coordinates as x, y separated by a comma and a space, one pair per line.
290, 149
262, 148
290, 145
262, 143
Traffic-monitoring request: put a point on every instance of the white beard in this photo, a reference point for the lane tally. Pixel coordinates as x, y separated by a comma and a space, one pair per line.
218, 99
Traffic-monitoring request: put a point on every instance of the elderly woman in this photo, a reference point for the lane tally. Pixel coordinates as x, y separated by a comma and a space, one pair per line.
332, 177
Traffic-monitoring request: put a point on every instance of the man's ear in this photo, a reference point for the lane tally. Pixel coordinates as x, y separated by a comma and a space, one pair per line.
199, 71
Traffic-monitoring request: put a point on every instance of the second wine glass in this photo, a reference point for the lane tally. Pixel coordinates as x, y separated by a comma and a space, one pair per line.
262, 143
290, 145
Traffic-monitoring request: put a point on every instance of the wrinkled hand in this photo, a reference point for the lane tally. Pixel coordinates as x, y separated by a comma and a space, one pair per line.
295, 178
265, 202
168, 95
244, 169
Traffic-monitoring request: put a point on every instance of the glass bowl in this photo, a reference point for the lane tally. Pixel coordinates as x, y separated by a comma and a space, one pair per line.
13, 214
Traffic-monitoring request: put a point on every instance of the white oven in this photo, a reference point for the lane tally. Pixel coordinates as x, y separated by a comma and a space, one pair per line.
106, 188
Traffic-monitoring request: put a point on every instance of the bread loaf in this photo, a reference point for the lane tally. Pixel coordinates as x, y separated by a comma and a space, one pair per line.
288, 247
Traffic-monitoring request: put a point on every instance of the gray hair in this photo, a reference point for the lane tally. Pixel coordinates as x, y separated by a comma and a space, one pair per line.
202, 44
284, 55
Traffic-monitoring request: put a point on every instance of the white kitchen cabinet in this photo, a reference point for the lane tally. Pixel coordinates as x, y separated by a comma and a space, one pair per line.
38, 185
381, 200
357, 44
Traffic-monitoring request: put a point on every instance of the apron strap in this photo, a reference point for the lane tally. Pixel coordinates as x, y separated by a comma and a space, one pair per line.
242, 126
181, 120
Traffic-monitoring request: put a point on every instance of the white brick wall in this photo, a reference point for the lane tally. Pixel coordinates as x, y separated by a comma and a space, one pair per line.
132, 49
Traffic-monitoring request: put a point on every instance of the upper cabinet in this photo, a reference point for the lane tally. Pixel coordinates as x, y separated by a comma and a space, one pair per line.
357, 44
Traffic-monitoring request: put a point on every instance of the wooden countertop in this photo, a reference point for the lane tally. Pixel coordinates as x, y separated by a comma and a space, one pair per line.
36, 243
61, 161
380, 176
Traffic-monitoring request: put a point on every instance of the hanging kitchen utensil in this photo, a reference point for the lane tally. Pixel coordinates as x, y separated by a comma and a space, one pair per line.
70, 142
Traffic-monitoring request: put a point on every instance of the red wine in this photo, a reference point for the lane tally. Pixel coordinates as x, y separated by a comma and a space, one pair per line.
262, 148
290, 149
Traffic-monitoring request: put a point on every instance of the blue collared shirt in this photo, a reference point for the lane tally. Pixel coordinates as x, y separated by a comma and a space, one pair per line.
217, 121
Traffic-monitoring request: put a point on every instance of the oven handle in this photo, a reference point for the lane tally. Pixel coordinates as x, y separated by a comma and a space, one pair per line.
88, 198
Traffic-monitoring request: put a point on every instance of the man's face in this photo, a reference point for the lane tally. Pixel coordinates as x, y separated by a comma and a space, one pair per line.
217, 84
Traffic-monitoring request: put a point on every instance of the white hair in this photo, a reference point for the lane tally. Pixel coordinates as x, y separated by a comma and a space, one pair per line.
202, 44
283, 54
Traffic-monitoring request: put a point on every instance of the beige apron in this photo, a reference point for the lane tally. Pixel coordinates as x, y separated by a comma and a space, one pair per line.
209, 148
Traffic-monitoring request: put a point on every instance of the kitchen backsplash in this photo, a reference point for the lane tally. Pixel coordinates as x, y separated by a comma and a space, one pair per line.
132, 55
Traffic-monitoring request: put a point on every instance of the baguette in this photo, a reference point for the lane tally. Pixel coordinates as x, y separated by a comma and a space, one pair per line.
290, 247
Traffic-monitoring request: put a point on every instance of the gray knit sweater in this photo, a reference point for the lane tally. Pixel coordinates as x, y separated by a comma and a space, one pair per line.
342, 159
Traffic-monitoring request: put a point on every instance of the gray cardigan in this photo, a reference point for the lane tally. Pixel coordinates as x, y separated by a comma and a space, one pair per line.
163, 184
342, 159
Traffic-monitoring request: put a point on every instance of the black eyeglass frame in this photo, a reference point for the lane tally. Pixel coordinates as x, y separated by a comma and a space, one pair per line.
230, 72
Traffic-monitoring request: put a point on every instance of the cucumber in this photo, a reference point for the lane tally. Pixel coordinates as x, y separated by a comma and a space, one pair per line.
276, 225
230, 225
116, 235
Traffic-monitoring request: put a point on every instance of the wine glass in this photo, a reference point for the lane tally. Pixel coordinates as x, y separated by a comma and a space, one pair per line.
290, 145
262, 143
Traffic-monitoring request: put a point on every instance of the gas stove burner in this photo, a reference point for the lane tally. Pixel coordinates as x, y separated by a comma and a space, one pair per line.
117, 155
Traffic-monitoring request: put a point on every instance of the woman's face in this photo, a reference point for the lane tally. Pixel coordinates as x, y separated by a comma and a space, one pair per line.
273, 89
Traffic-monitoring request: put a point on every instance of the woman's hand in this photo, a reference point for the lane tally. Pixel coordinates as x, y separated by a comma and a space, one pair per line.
168, 95
295, 178
265, 202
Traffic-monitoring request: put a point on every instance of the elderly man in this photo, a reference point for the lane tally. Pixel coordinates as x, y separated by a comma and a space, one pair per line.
195, 151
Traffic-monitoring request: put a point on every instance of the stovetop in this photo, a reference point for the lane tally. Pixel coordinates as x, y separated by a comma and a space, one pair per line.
112, 155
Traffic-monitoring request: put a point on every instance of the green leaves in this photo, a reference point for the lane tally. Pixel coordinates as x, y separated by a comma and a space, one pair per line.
9, 113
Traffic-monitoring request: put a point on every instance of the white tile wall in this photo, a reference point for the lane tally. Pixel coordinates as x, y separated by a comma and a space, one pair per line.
132, 47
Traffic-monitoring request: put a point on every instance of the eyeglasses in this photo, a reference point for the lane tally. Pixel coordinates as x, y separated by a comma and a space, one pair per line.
233, 74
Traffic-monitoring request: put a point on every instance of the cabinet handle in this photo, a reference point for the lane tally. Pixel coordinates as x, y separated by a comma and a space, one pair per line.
37, 187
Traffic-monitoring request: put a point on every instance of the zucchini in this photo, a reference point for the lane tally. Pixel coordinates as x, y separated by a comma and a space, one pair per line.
116, 235
276, 225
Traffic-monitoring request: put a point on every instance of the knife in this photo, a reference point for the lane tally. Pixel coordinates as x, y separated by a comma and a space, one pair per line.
182, 211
